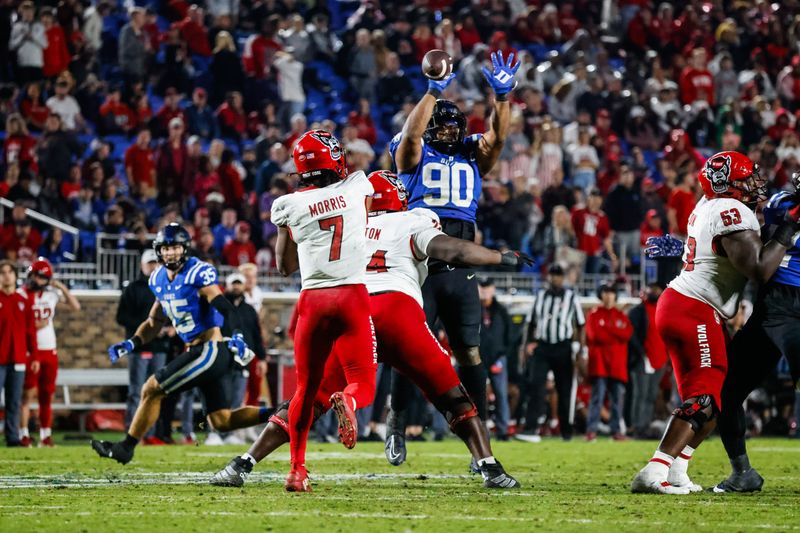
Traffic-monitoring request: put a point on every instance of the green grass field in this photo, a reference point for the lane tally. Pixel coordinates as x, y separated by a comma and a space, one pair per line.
572, 486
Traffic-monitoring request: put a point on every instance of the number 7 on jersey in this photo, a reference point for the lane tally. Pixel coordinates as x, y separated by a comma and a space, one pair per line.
337, 224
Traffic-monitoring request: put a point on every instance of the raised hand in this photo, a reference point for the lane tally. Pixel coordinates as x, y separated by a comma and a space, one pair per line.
501, 77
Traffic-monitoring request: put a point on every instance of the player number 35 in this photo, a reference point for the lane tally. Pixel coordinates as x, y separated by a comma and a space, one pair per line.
454, 184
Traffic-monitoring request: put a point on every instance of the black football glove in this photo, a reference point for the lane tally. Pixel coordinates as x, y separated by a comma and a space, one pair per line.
514, 258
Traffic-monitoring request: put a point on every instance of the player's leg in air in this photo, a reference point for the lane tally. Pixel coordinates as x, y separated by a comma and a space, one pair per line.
410, 347
770, 332
452, 297
205, 366
325, 323
696, 343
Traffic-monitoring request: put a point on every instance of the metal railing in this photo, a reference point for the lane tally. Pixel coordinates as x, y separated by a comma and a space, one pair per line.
44, 219
120, 261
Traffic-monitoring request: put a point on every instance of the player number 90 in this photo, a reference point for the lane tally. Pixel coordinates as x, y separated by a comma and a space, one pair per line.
455, 184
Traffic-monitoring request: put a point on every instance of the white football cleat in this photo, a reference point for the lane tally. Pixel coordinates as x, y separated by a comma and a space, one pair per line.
646, 482
681, 479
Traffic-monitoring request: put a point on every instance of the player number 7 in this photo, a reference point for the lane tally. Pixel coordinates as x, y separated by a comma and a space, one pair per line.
337, 224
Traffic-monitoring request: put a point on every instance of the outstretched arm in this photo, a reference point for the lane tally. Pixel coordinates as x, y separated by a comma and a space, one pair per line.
409, 150
501, 79
756, 261
286, 252
452, 250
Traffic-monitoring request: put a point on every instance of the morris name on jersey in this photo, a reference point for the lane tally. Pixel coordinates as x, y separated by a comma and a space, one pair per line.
328, 226
448, 185
180, 298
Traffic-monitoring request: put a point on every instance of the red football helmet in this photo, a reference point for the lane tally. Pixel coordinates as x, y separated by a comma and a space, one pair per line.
41, 267
390, 193
732, 175
316, 151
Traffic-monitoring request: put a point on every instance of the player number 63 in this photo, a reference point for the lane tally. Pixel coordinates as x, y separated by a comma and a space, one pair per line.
455, 184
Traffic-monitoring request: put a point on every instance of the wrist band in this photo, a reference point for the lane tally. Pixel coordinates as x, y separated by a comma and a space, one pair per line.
434, 92
137, 342
501, 97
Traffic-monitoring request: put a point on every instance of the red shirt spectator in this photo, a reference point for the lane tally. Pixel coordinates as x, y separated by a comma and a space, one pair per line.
257, 55
651, 226
171, 109
32, 107
17, 323
681, 204
21, 242
117, 116
195, 33
206, 180
476, 121
607, 332
140, 163
231, 116
424, 40
230, 181
362, 122
591, 226
468, 34
56, 56
240, 249
697, 82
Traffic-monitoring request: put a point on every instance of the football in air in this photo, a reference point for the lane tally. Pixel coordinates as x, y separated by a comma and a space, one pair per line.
437, 64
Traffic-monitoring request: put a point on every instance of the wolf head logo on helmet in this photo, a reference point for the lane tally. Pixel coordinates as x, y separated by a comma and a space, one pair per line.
319, 158
718, 171
733, 175
390, 193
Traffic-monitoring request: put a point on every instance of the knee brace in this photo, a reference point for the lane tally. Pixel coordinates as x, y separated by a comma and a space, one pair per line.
697, 411
468, 356
456, 406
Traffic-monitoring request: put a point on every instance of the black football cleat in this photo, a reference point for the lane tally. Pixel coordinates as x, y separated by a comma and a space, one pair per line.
495, 477
234, 474
395, 449
113, 450
473, 467
748, 481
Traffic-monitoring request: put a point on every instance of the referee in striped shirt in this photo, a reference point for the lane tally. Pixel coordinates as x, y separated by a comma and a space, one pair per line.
556, 322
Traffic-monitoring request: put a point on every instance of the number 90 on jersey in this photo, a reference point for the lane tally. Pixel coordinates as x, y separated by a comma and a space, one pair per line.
448, 184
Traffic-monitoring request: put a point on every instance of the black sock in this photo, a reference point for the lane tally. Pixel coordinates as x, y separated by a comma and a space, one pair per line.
474, 380
130, 442
740, 464
264, 414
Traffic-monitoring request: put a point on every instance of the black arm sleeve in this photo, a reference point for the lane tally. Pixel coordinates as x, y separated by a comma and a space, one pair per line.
228, 312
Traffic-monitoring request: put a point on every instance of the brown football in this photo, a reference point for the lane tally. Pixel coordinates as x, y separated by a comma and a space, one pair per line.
437, 64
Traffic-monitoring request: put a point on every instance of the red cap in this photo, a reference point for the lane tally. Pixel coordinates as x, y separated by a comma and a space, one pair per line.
41, 267
242, 226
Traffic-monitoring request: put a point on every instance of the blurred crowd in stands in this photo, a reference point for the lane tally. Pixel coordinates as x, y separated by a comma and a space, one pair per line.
123, 116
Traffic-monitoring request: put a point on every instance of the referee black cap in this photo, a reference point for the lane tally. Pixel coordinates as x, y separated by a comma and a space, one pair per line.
555, 270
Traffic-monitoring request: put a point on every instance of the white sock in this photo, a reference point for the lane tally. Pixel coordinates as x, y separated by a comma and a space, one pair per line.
660, 464
681, 463
23, 432
487, 461
45, 432
249, 458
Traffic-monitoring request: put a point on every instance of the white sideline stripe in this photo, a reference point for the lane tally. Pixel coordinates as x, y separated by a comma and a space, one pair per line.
323, 456
782, 449
401, 517
195, 478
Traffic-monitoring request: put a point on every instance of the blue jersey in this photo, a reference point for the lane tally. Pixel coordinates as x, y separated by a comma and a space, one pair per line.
180, 298
448, 185
788, 272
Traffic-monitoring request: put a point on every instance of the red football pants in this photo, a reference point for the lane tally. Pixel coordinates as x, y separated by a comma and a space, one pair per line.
695, 339
331, 319
45, 382
405, 343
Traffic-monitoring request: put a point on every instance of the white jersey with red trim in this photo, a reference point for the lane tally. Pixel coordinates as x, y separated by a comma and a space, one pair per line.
328, 226
396, 251
44, 308
706, 275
